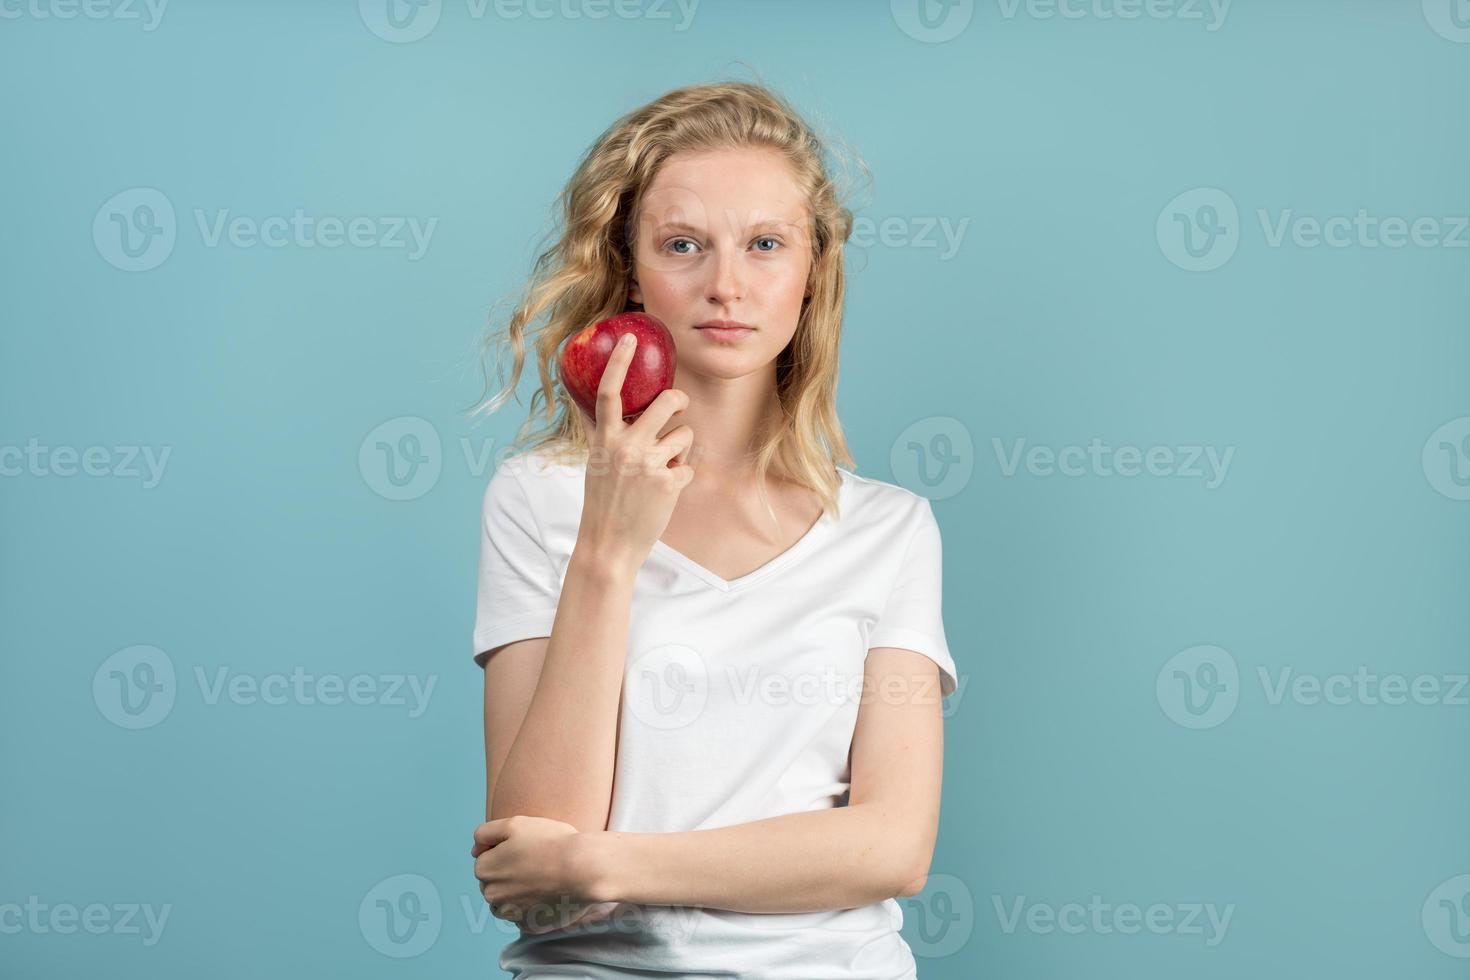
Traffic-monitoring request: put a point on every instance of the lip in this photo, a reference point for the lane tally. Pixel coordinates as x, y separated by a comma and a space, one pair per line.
725, 335
723, 325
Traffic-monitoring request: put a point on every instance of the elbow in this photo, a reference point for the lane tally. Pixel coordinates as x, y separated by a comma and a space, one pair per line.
914, 884
582, 822
914, 876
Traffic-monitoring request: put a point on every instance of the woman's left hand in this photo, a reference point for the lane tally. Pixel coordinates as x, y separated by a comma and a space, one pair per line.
536, 872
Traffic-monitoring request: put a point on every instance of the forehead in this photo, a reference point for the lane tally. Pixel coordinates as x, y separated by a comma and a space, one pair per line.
712, 188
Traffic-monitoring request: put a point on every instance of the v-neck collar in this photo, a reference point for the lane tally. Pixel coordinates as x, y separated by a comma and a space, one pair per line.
813, 537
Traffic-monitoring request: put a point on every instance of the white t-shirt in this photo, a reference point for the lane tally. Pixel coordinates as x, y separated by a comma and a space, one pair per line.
739, 703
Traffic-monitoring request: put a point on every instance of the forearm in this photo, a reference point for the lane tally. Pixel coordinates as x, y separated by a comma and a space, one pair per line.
561, 763
839, 858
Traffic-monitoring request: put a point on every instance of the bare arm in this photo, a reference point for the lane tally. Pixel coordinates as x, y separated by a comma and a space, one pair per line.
798, 862
556, 760
876, 847
561, 752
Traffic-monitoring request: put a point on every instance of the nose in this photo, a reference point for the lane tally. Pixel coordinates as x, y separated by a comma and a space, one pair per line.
726, 286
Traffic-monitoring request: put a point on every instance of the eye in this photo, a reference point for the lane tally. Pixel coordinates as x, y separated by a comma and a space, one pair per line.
669, 245
768, 238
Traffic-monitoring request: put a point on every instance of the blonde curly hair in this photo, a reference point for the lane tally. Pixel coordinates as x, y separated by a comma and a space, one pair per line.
584, 276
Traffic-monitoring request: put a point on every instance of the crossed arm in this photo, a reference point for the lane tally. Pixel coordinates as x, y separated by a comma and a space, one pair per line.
876, 847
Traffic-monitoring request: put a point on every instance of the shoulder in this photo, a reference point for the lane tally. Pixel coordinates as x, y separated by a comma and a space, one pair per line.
539, 488
531, 475
541, 465
883, 506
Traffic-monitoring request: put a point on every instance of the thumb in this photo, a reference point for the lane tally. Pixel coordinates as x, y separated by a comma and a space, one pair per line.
492, 832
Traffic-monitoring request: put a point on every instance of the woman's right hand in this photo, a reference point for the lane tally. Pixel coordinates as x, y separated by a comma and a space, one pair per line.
634, 476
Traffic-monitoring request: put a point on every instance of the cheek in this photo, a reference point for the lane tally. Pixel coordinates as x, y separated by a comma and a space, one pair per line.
794, 277
792, 292
668, 284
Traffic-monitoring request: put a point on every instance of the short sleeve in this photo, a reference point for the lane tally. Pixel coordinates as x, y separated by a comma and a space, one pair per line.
518, 584
912, 616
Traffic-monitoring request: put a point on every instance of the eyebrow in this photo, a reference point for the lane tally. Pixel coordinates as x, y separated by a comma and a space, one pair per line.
777, 223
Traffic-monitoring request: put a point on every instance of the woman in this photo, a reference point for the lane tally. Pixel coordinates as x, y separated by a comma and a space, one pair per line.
714, 661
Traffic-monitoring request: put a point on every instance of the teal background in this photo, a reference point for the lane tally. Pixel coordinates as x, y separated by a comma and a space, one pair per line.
1336, 832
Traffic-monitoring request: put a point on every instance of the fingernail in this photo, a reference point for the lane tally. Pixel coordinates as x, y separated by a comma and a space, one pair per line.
626, 340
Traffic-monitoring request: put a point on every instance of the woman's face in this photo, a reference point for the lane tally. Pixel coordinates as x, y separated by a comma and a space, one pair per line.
722, 235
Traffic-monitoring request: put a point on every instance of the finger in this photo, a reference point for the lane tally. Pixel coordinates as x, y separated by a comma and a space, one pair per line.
594, 913
587, 424
674, 446
492, 832
499, 909
659, 411
610, 386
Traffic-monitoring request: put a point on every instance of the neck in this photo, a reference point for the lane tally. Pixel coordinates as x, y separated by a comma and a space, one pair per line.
730, 417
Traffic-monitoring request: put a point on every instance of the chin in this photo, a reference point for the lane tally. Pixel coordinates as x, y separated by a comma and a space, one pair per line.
726, 365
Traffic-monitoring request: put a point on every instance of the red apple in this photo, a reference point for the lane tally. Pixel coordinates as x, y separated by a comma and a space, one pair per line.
585, 355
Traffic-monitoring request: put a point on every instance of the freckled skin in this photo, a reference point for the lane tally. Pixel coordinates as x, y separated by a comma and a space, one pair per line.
585, 357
